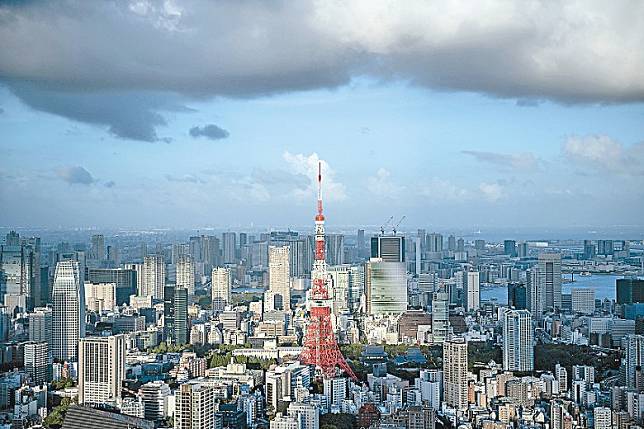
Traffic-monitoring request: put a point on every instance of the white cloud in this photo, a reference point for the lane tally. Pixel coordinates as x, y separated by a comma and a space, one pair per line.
491, 191
605, 155
442, 190
524, 162
307, 165
382, 186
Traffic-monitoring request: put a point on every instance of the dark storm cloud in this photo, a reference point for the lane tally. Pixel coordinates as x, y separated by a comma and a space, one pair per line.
210, 131
126, 115
75, 175
80, 52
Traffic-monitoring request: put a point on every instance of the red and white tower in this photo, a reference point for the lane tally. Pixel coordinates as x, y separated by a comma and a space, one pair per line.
320, 345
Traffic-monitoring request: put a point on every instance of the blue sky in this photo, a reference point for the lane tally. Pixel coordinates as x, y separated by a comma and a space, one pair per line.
109, 148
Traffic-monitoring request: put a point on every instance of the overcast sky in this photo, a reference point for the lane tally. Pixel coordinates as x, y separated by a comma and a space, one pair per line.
199, 113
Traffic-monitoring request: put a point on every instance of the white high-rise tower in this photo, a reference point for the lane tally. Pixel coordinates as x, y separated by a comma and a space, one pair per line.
278, 276
518, 350
68, 312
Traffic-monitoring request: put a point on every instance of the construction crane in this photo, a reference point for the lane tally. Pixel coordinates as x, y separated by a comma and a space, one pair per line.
384, 225
398, 224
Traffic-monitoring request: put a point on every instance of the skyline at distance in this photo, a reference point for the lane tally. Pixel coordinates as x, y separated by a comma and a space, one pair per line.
190, 115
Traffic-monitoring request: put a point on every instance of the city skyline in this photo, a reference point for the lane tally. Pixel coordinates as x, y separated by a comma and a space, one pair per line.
458, 129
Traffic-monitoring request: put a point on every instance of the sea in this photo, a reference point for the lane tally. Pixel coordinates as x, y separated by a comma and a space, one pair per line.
604, 285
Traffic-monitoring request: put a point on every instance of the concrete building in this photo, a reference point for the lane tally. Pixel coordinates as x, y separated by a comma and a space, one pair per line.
36, 357
195, 406
101, 369
221, 288
583, 300
455, 373
550, 278
473, 294
278, 276
186, 274
518, 350
385, 287
153, 277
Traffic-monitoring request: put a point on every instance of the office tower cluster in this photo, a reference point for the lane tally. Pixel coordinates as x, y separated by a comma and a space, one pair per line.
290, 329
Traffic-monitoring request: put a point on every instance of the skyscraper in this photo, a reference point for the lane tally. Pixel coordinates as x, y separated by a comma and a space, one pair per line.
180, 303
510, 248
68, 312
634, 360
518, 350
124, 279
455, 373
101, 369
440, 316
229, 242
583, 300
550, 279
40, 325
97, 251
389, 248
36, 357
186, 274
629, 290
20, 269
473, 294
221, 288
278, 276
153, 277
385, 287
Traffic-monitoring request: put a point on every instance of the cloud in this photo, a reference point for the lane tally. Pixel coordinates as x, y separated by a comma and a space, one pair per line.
210, 131
75, 175
186, 178
605, 155
126, 115
491, 191
82, 51
381, 185
110, 184
307, 165
520, 161
436, 189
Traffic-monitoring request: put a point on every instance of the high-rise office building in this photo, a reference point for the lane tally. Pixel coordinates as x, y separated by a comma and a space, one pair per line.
473, 293
36, 358
221, 288
229, 243
153, 277
385, 287
180, 302
517, 296
434, 242
590, 250
100, 297
510, 248
195, 406
186, 274
334, 249
97, 250
278, 276
440, 316
518, 350
307, 416
20, 274
124, 279
101, 369
455, 373
549, 265
634, 361
583, 300
68, 311
605, 247
389, 248
40, 325
629, 290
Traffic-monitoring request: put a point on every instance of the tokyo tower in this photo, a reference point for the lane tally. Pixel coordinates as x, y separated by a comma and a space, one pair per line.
320, 346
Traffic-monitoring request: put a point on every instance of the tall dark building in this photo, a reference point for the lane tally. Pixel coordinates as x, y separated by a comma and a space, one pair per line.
175, 314
125, 280
510, 248
605, 247
590, 251
390, 248
517, 296
630, 290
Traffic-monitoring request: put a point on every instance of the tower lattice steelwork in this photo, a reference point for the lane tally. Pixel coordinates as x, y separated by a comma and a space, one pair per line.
320, 345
